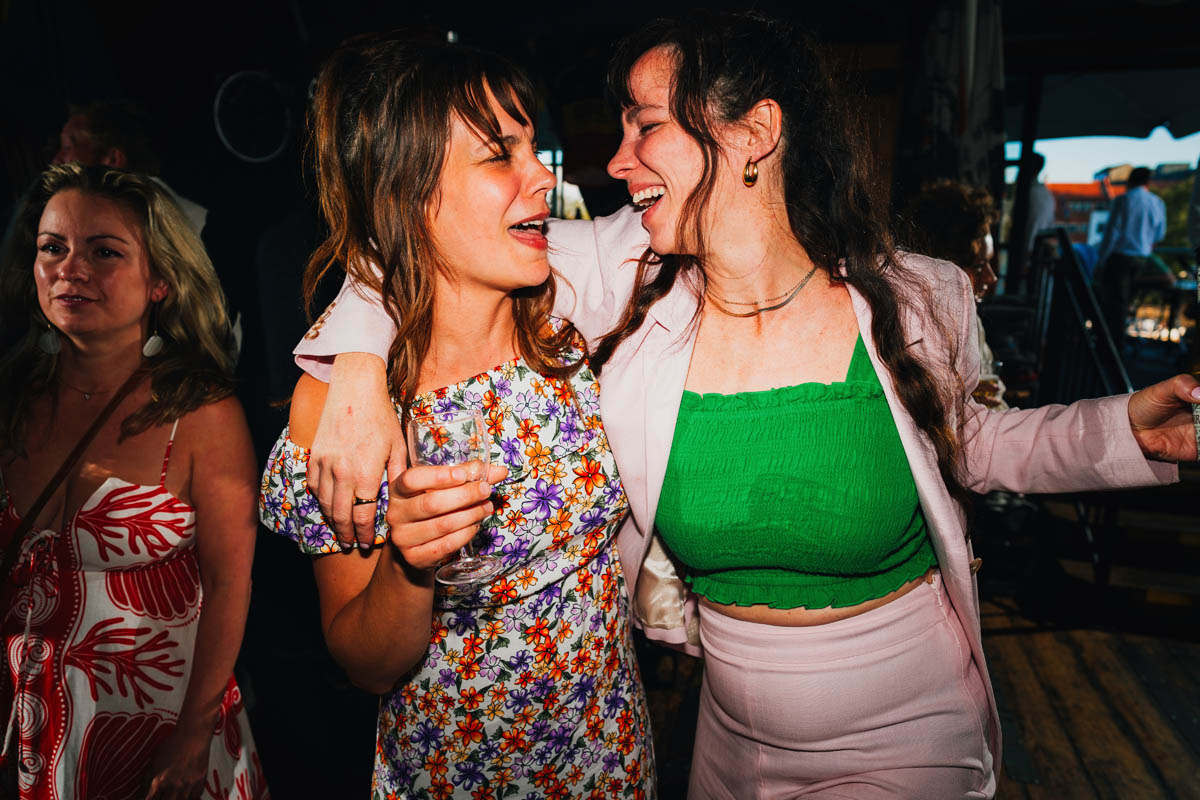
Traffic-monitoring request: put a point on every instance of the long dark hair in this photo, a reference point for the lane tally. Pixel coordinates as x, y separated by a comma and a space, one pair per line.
380, 129
195, 367
725, 63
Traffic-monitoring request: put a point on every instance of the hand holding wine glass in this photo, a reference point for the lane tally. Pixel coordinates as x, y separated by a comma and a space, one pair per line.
460, 441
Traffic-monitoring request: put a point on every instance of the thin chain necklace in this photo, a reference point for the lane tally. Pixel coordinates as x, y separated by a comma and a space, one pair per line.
86, 395
784, 299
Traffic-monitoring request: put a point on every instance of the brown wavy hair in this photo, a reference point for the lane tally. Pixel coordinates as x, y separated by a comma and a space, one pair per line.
725, 63
196, 365
379, 134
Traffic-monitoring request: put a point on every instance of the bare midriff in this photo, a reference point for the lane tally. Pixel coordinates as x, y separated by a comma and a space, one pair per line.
804, 617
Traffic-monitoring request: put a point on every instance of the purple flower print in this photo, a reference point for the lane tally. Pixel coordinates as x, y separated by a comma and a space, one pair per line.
522, 766
597, 622
462, 621
517, 699
307, 505
315, 535
613, 492
515, 552
581, 692
272, 505
521, 661
445, 408
426, 736
542, 687
472, 399
560, 738
512, 451
614, 701
470, 774
503, 387
447, 678
577, 613
552, 408
592, 518
542, 497
611, 762
539, 730
489, 749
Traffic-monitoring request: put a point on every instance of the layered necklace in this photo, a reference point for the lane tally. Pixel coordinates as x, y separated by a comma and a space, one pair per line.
779, 300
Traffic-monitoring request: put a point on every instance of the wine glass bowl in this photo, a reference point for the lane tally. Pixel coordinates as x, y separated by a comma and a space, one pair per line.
453, 439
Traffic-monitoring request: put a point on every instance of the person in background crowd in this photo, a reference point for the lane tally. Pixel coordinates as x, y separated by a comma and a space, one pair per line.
952, 221
115, 133
1136, 222
1041, 204
525, 685
789, 400
124, 613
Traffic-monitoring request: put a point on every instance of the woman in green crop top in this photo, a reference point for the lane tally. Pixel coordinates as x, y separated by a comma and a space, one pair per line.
788, 403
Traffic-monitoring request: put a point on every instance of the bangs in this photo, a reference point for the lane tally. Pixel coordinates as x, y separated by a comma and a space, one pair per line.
468, 98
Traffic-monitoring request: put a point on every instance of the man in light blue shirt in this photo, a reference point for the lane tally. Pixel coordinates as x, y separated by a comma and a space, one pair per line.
1137, 221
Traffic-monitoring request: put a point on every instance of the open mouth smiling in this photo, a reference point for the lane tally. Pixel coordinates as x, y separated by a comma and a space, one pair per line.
644, 198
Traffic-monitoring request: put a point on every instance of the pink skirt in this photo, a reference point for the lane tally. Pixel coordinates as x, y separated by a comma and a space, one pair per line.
887, 704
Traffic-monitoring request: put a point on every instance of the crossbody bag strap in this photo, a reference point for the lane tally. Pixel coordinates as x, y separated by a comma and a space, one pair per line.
14, 546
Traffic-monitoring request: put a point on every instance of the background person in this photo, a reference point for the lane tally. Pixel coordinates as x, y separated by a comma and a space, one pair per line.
125, 612
1136, 222
952, 221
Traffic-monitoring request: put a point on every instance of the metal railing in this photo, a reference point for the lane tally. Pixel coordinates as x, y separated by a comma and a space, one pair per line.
1077, 356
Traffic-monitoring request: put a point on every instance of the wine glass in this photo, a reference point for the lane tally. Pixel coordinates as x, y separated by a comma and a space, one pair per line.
458, 438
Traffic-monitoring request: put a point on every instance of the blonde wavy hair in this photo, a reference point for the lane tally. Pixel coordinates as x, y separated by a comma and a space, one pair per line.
195, 367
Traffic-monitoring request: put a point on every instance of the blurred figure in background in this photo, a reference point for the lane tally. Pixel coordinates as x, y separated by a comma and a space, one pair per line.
115, 133
953, 222
1136, 222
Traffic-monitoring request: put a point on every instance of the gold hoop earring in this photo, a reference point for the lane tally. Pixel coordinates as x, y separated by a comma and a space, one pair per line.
750, 173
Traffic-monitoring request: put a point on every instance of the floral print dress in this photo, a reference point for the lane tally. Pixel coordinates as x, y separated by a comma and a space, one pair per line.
530, 688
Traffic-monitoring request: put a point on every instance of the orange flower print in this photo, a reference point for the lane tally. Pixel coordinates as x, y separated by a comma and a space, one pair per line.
493, 629
527, 430
472, 698
527, 578
470, 730
537, 632
442, 790
590, 475
495, 422
436, 764
513, 740
490, 400
503, 590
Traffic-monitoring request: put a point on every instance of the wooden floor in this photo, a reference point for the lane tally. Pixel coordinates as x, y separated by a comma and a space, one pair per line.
1093, 713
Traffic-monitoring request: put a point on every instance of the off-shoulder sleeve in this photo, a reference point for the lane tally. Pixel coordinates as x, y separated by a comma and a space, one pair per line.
286, 507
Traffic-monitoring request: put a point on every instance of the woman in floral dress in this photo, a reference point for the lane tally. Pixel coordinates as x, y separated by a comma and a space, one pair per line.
525, 686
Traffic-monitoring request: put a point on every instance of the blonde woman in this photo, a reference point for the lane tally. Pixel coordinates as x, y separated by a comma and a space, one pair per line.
127, 504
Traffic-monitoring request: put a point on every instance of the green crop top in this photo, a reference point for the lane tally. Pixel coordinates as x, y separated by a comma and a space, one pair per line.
790, 497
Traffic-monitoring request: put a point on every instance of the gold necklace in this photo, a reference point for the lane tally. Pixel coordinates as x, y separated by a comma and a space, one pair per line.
787, 297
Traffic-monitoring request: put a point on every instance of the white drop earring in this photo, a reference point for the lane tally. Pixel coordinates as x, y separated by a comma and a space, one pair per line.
48, 341
153, 345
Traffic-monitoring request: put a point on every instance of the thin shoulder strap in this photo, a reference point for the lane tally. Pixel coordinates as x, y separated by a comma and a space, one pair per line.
162, 480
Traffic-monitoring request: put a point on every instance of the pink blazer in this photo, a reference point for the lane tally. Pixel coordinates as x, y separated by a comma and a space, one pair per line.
1084, 446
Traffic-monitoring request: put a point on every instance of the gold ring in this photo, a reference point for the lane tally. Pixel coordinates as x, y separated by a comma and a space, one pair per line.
362, 501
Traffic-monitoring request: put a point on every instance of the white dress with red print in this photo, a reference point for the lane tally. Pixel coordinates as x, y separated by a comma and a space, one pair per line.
99, 629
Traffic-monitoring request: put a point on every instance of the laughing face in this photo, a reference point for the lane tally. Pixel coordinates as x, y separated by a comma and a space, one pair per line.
491, 207
659, 162
92, 269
